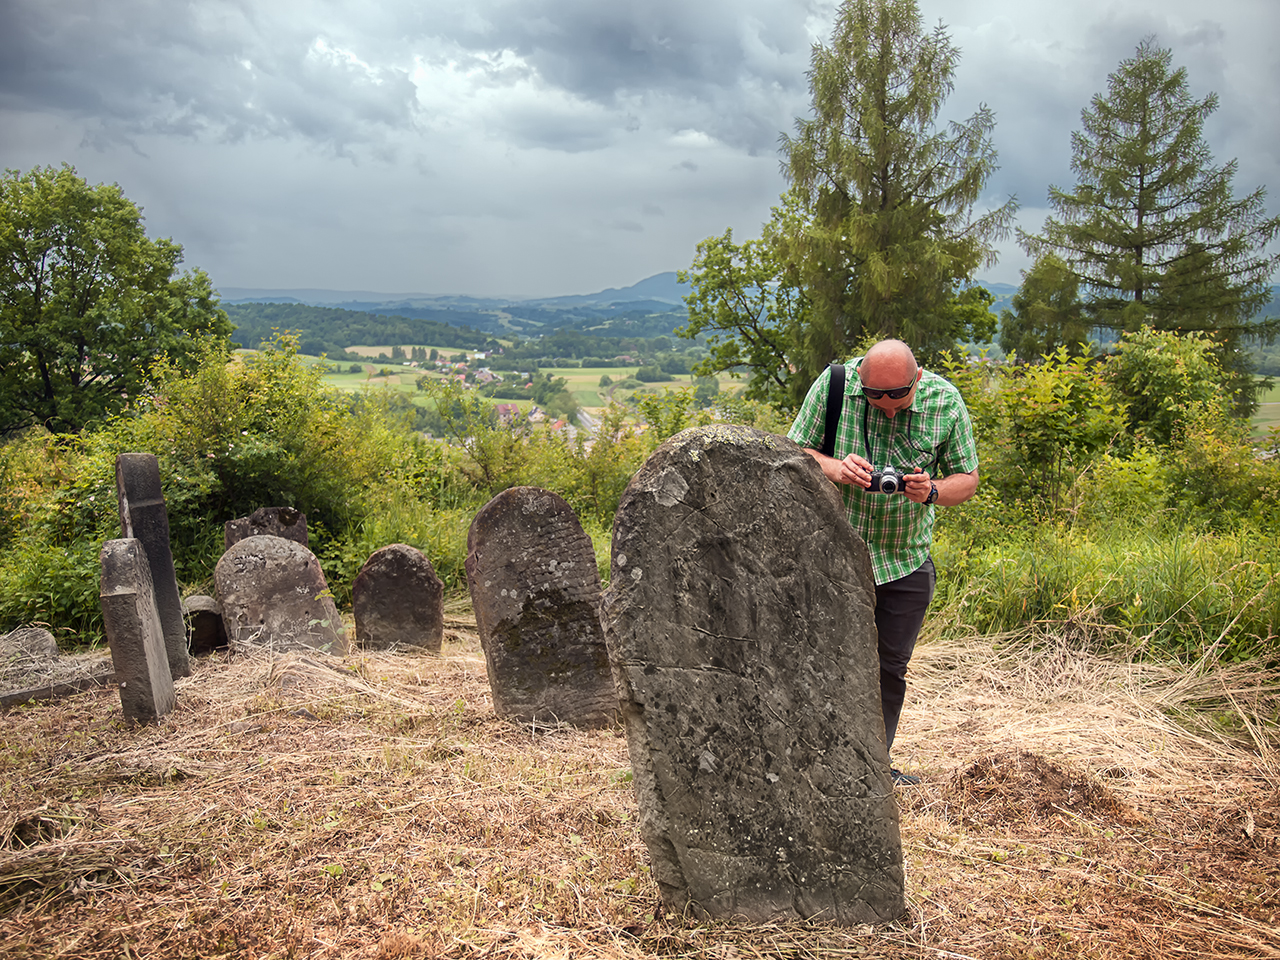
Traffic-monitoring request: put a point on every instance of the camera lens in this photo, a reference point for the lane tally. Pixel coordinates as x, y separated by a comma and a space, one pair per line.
888, 484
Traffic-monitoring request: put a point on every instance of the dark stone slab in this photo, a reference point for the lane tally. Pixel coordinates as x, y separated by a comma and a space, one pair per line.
204, 624
535, 588
398, 601
144, 517
273, 594
740, 624
132, 625
286, 522
103, 676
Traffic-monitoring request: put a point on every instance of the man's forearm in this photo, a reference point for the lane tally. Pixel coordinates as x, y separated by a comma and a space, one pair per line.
956, 488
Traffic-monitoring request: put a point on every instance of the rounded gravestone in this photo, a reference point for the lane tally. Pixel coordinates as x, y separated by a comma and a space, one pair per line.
740, 624
535, 588
35, 643
273, 594
398, 601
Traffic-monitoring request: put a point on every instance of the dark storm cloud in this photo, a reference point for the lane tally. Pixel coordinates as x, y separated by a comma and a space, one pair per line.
579, 144
733, 68
213, 70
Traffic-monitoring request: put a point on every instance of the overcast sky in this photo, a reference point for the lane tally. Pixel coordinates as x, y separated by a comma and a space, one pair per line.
540, 147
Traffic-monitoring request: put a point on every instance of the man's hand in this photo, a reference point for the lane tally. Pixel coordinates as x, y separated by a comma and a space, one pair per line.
855, 470
917, 485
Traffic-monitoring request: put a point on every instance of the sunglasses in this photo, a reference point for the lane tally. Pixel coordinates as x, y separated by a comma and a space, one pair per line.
897, 393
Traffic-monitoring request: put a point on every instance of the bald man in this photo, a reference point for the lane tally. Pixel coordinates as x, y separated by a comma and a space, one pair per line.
895, 414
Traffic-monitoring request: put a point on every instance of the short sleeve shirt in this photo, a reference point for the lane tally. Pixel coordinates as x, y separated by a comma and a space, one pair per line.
934, 433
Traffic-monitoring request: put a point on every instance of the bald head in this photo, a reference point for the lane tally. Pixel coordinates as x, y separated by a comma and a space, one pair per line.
890, 359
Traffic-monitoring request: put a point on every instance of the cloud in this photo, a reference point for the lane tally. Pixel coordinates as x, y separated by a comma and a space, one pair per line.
538, 146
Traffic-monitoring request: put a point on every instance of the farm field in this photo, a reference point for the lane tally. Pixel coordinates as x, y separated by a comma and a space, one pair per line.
1267, 417
582, 382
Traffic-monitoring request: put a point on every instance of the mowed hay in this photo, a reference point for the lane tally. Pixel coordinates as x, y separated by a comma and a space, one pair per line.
301, 805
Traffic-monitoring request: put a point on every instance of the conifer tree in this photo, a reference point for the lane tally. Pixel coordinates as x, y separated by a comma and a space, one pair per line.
891, 234
1152, 228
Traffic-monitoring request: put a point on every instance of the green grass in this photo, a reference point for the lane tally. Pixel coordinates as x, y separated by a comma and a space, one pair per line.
1268, 415
1166, 594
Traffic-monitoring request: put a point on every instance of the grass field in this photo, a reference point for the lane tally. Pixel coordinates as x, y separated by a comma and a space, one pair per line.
582, 382
1268, 415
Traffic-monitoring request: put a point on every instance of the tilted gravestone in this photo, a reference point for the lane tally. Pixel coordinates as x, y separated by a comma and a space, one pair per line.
286, 522
398, 601
143, 516
205, 626
740, 624
531, 570
132, 625
273, 594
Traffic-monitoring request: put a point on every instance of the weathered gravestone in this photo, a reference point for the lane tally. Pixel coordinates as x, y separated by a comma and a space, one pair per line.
132, 624
535, 588
204, 619
273, 594
740, 625
34, 643
398, 601
286, 522
143, 517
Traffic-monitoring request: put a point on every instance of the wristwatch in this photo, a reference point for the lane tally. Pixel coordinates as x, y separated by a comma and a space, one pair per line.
933, 494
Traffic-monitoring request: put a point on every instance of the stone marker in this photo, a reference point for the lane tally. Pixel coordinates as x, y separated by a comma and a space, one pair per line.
205, 627
143, 516
286, 522
740, 625
35, 643
535, 588
273, 594
132, 626
398, 601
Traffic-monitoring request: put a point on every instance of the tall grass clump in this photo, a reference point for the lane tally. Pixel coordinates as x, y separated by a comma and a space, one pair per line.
1180, 594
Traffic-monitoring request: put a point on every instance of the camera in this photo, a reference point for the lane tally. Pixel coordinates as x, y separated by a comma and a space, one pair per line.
887, 480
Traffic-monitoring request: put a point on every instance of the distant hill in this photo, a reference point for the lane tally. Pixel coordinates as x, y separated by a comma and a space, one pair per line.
336, 319
341, 318
661, 288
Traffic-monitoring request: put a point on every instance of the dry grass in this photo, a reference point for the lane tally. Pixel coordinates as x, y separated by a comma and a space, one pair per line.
306, 807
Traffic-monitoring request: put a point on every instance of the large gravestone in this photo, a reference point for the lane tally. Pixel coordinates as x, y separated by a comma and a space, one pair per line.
132, 624
740, 624
287, 522
398, 601
273, 594
144, 517
536, 592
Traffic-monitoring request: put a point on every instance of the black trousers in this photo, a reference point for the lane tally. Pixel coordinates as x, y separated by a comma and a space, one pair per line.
900, 609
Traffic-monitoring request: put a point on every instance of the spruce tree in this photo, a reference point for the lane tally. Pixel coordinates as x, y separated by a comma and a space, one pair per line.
1152, 228
888, 198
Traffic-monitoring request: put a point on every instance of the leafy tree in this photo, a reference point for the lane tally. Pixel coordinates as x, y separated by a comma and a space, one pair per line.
1047, 313
887, 199
1057, 416
752, 311
1168, 382
1152, 229
705, 390
88, 303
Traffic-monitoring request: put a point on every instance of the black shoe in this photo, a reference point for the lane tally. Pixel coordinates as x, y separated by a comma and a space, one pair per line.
901, 779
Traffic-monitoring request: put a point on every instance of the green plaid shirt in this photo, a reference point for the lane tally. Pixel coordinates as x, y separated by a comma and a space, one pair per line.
935, 429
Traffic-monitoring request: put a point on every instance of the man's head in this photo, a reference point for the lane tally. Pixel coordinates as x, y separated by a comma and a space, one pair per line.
889, 366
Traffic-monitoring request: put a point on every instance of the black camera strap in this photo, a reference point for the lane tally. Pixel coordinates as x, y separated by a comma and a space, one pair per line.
835, 406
